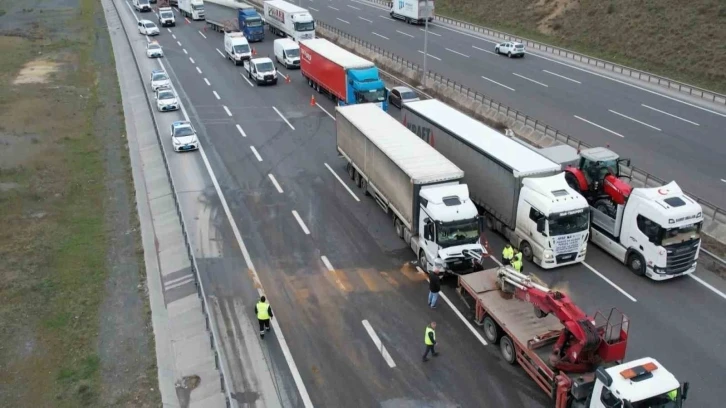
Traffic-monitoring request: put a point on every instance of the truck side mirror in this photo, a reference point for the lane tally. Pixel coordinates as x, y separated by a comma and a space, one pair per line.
684, 393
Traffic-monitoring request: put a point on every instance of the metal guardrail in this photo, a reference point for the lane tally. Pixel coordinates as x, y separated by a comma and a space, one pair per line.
640, 177
210, 323
586, 59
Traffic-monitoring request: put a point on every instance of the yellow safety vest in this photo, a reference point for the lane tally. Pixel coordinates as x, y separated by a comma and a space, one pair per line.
263, 311
672, 395
517, 263
426, 336
508, 253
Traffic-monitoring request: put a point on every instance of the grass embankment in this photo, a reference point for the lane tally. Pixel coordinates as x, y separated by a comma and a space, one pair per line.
671, 38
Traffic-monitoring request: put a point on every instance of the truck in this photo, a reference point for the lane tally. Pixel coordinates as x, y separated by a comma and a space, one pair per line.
413, 11
236, 47
231, 16
287, 19
655, 232
576, 359
415, 185
193, 9
261, 70
346, 77
166, 17
522, 194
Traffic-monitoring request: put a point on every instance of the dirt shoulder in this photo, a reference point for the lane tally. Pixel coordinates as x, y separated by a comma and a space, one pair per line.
74, 320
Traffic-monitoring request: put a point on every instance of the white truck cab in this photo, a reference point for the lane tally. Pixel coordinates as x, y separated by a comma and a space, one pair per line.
287, 19
261, 70
287, 52
192, 8
236, 47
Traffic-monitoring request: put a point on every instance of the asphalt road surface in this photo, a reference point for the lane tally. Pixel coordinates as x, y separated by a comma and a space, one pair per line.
657, 130
329, 260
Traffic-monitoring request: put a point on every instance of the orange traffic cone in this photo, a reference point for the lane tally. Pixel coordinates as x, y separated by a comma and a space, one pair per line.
287, 79
312, 100
254, 51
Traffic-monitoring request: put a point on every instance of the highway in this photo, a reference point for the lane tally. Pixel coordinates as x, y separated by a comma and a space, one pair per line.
657, 130
272, 208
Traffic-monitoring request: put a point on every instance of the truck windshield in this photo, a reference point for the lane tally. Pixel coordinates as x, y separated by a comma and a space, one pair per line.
241, 49
568, 224
457, 233
254, 22
308, 26
678, 235
264, 66
198, 7
292, 52
374, 95
167, 14
659, 401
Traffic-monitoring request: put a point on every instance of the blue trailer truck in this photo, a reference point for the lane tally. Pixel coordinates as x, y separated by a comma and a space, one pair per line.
230, 15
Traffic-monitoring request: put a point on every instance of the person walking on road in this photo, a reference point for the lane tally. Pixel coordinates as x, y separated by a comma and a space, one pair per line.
430, 341
263, 310
517, 262
434, 288
507, 254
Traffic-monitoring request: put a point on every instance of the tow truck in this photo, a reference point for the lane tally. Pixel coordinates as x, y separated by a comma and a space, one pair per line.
575, 358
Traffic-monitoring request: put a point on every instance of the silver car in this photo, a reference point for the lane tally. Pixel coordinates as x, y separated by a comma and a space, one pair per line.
400, 95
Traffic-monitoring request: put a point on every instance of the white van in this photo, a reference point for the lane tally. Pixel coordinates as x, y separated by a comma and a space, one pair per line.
236, 47
142, 5
287, 53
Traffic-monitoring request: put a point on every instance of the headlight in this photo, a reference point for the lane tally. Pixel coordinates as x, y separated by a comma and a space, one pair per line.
547, 254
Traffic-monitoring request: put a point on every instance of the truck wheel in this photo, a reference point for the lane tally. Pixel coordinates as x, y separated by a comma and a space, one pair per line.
526, 249
509, 352
422, 260
364, 186
358, 179
399, 227
491, 330
636, 264
351, 170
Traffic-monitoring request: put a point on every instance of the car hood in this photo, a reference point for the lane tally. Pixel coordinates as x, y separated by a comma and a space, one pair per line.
186, 139
168, 101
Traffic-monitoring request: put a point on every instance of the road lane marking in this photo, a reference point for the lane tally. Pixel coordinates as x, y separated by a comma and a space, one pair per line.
430, 55
341, 182
456, 52
381, 348
355, 8
274, 181
173, 36
482, 49
457, 312
382, 36
495, 82
327, 263
221, 53
707, 285
192, 60
336, 275
401, 32
257, 155
634, 120
601, 127
216, 95
365, 19
188, 22
178, 284
530, 79
245, 78
168, 29
618, 288
561, 76
199, 70
207, 81
314, 9
200, 33
185, 51
669, 114
723, 180
283, 118
326, 112
177, 280
438, 35
300, 221
241, 131
179, 42
340, 19
227, 110
333, 8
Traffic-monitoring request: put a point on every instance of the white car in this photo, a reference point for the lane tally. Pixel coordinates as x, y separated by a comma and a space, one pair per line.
166, 100
184, 137
153, 50
147, 27
510, 49
159, 79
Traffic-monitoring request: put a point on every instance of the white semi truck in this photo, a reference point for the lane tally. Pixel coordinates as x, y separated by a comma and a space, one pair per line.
193, 9
417, 186
413, 11
522, 194
287, 19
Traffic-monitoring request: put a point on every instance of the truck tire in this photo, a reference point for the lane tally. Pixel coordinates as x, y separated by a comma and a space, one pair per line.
526, 249
399, 226
491, 330
508, 350
358, 179
422, 260
636, 264
364, 186
351, 170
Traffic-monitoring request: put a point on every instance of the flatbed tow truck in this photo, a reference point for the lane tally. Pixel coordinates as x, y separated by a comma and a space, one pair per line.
576, 359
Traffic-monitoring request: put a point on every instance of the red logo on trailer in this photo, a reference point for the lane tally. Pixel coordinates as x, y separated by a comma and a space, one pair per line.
277, 14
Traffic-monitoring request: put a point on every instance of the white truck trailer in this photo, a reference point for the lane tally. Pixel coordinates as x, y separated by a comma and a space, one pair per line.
412, 182
522, 194
287, 19
413, 11
193, 9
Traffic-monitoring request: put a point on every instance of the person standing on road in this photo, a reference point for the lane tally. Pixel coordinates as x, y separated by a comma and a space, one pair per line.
263, 310
517, 262
507, 254
434, 288
430, 341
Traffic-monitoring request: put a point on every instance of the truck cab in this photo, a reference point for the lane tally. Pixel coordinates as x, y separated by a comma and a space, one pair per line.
366, 87
197, 9
166, 17
250, 23
261, 70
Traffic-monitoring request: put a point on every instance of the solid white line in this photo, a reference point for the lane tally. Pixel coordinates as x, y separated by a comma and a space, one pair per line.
561, 76
199, 70
495, 82
430, 55
341, 182
669, 114
283, 118
179, 42
340, 19
355, 8
300, 221
439, 35
326, 112
327, 263
401, 32
723, 180
188, 22
456, 52
185, 51
274, 181
386, 17
365, 19
192, 60
458, 313
382, 36
178, 284
619, 289
241, 131
200, 33
333, 8
708, 286
207, 81
227, 110
216, 95
482, 49
245, 78
221, 53
634, 120
314, 9
531, 80
174, 36
378, 344
596, 125
173, 281
257, 155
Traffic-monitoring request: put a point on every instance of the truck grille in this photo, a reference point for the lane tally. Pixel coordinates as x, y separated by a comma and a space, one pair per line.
680, 257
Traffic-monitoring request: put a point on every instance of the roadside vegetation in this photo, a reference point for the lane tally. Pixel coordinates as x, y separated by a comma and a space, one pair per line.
68, 217
677, 39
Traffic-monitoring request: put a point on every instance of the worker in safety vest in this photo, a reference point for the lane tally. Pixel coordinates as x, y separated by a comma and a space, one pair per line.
672, 395
263, 310
507, 254
517, 261
430, 341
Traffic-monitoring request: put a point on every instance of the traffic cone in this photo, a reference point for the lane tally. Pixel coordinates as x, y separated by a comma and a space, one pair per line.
312, 100
287, 79
254, 51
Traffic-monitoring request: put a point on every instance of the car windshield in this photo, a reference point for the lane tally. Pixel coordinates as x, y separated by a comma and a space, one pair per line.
183, 131
149, 25
264, 66
408, 95
457, 233
198, 7
292, 53
167, 14
256, 22
154, 46
659, 401
241, 49
309, 26
166, 95
159, 77
683, 234
374, 95
567, 223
